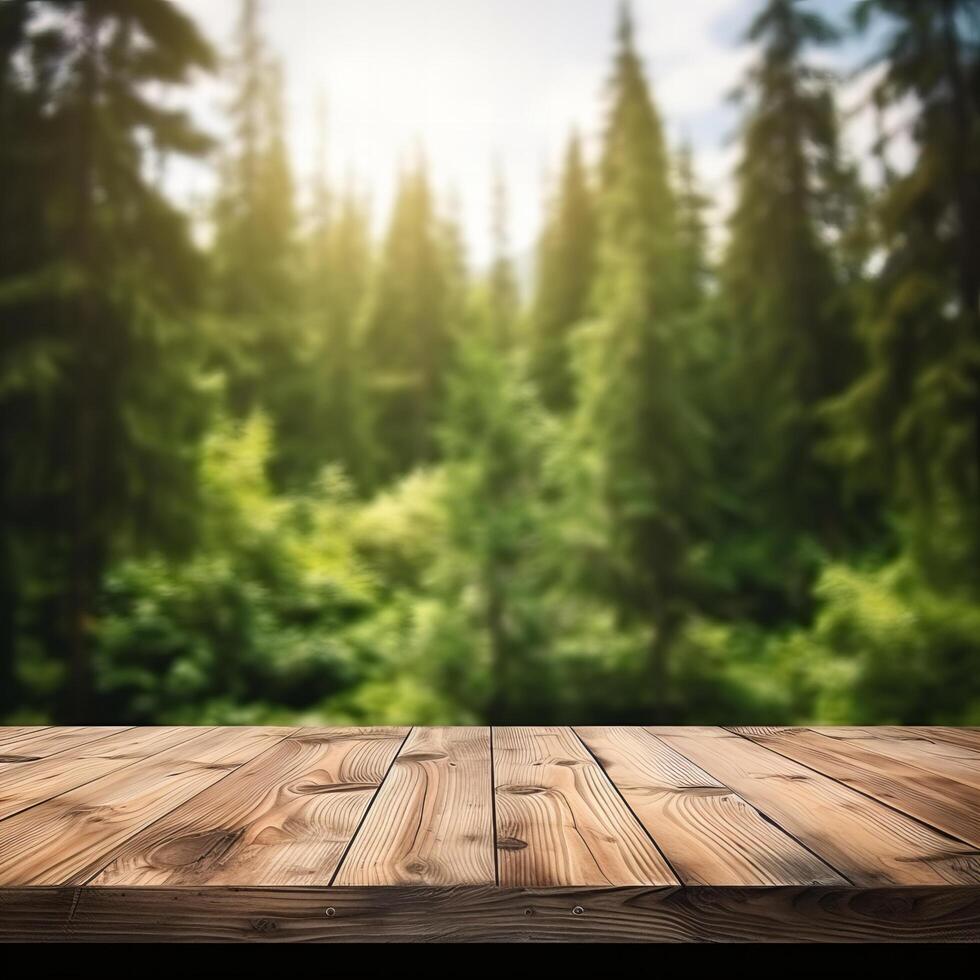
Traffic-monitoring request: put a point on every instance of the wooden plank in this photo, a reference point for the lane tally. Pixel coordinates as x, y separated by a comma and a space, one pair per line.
432, 820
934, 799
31, 783
968, 738
559, 819
11, 733
488, 914
65, 840
709, 834
953, 761
29, 745
283, 818
865, 840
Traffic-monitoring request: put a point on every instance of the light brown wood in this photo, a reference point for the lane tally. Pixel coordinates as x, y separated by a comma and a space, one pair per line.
933, 755
11, 733
709, 834
488, 914
432, 821
934, 799
30, 783
22, 745
559, 819
282, 819
968, 738
868, 842
251, 834
65, 840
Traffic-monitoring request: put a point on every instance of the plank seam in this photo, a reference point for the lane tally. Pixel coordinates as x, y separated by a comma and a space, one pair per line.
632, 813
758, 809
917, 766
493, 812
367, 810
162, 816
854, 789
944, 738
78, 745
112, 772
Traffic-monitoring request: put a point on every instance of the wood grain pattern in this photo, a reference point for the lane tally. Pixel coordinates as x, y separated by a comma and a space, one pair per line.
968, 738
708, 833
559, 819
30, 783
66, 839
11, 733
868, 842
933, 755
488, 914
282, 819
301, 834
20, 745
432, 820
934, 799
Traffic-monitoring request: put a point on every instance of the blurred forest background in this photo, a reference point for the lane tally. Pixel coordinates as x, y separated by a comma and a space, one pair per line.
294, 470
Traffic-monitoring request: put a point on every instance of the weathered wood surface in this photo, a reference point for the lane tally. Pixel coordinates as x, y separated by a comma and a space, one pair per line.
560, 820
21, 745
710, 835
62, 840
33, 782
284, 818
433, 822
484, 913
503, 834
932, 797
866, 841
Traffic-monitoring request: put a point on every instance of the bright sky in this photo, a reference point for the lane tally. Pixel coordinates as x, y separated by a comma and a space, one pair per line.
480, 83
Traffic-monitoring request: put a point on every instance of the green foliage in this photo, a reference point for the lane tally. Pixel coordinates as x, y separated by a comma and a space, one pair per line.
312, 477
408, 328
565, 274
910, 426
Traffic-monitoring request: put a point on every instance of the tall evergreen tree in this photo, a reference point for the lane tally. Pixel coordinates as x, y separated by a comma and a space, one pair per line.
408, 328
494, 441
635, 415
692, 231
564, 278
340, 258
503, 299
118, 413
791, 313
911, 424
266, 354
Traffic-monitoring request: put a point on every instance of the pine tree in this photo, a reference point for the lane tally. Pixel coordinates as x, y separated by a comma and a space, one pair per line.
267, 357
116, 411
790, 313
639, 425
28, 354
503, 300
494, 442
565, 272
911, 424
340, 259
692, 231
408, 329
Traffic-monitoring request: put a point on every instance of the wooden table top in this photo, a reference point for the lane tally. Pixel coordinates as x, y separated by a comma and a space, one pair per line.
502, 833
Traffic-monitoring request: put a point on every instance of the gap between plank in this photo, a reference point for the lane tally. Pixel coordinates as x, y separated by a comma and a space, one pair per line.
493, 812
79, 745
367, 809
112, 772
854, 789
140, 830
611, 782
758, 809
